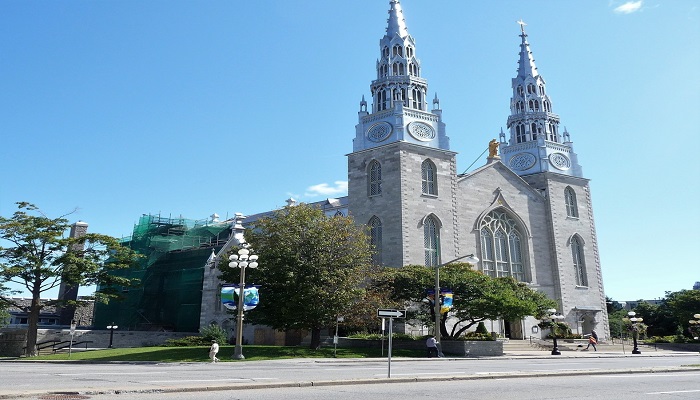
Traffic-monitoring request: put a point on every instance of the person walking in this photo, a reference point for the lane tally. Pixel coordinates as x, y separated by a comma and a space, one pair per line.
213, 350
592, 341
431, 343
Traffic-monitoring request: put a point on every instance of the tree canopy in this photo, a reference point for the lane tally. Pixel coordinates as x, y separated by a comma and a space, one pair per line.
311, 268
36, 254
477, 297
668, 318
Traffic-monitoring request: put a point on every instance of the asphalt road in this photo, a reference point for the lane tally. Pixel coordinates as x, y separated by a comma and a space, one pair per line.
24, 378
672, 386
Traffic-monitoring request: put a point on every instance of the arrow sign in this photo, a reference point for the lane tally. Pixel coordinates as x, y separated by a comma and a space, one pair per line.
390, 313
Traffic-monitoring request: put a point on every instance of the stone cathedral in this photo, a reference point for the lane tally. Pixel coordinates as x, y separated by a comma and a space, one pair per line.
526, 213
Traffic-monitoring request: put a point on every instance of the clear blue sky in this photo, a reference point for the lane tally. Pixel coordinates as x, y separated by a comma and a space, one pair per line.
121, 108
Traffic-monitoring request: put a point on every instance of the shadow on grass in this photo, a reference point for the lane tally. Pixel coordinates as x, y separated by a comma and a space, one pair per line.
201, 354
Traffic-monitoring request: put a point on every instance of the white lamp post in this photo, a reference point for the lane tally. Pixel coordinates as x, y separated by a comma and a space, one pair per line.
635, 332
471, 259
111, 328
241, 260
553, 317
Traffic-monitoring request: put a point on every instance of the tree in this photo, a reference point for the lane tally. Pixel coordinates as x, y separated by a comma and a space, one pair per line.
4, 314
40, 256
311, 268
682, 305
476, 297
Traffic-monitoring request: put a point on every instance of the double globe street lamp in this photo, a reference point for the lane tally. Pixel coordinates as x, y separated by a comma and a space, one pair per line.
553, 317
695, 326
636, 326
241, 260
111, 328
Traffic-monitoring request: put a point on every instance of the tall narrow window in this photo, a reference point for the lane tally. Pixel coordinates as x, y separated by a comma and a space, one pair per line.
375, 239
431, 240
429, 177
579, 262
487, 264
502, 246
520, 134
374, 179
570, 199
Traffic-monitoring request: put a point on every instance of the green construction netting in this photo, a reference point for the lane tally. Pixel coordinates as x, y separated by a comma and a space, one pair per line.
171, 273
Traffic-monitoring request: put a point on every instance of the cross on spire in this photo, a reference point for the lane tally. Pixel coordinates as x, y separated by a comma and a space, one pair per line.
522, 25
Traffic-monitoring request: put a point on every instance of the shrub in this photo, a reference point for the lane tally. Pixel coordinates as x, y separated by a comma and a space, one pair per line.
377, 336
481, 329
187, 341
213, 332
477, 336
206, 335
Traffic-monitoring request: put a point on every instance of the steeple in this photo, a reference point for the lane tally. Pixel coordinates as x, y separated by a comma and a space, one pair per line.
535, 143
397, 24
399, 110
526, 64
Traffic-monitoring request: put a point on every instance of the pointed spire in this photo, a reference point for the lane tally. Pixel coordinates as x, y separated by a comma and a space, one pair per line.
211, 261
526, 64
396, 23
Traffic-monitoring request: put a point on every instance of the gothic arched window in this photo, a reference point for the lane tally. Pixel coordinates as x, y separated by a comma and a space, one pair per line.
431, 240
375, 238
520, 133
502, 246
570, 200
579, 261
429, 177
374, 178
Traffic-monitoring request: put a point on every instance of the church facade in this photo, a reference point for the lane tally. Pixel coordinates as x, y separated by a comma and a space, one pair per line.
526, 213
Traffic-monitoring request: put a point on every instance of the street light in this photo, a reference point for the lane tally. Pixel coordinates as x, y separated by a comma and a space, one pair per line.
553, 317
695, 326
635, 330
241, 260
471, 259
111, 328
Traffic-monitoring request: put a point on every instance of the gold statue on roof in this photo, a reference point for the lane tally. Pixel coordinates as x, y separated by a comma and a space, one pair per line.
493, 148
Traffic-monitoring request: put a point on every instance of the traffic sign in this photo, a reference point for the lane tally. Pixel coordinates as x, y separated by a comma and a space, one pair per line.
390, 313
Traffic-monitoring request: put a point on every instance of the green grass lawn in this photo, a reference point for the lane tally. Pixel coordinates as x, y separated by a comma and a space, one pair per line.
201, 354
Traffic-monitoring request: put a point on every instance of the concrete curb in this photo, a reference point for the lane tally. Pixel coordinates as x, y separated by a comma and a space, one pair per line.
321, 383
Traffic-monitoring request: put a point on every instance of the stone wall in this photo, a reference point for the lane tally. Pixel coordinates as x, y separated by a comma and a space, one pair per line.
13, 341
459, 348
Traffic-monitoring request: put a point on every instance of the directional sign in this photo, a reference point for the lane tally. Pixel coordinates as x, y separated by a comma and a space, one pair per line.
390, 313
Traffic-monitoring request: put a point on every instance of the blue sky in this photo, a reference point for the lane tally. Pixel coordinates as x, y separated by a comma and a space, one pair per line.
120, 108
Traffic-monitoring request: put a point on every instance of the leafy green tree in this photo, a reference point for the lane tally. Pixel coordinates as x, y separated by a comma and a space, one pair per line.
477, 297
38, 256
311, 268
681, 306
656, 318
612, 305
4, 314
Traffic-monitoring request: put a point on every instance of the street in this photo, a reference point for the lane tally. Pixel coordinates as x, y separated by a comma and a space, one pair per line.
678, 386
586, 374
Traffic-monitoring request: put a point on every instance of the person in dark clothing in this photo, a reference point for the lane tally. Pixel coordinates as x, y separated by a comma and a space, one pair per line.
431, 343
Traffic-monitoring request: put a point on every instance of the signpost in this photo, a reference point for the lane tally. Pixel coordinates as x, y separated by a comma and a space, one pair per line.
338, 320
72, 332
391, 314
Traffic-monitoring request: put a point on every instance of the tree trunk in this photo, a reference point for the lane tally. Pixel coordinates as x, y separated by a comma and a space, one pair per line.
315, 339
34, 310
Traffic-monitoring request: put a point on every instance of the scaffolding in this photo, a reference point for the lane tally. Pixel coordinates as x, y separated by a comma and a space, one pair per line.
169, 295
